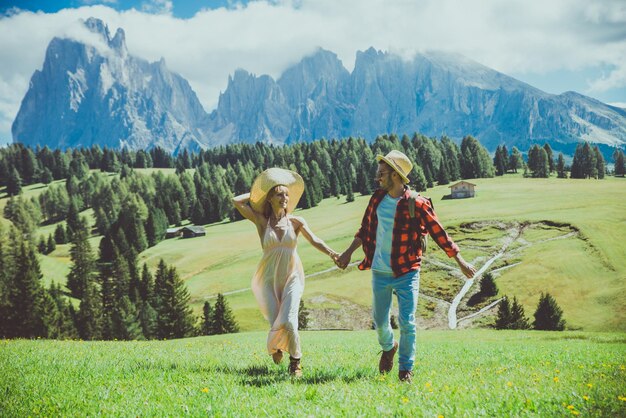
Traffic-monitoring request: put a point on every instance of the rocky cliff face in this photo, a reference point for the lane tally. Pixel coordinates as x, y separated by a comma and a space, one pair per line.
433, 94
86, 95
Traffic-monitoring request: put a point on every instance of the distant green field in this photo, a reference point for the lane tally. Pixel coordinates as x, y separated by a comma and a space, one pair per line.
466, 373
562, 236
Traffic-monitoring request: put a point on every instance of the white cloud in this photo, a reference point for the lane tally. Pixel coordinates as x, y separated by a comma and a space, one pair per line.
157, 7
265, 37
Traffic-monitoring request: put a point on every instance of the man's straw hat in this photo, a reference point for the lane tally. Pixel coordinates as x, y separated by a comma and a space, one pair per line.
275, 177
399, 162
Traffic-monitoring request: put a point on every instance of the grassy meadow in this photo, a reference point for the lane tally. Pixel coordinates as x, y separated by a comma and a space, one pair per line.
465, 373
562, 236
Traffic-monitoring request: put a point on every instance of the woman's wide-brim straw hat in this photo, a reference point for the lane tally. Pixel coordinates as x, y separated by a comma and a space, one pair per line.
399, 162
276, 177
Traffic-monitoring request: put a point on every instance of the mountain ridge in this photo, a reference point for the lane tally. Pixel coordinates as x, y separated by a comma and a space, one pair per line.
85, 95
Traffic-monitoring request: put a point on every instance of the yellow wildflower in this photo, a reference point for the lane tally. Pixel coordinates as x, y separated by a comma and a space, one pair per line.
205, 390
556, 379
575, 412
570, 407
509, 384
622, 398
405, 400
586, 397
589, 385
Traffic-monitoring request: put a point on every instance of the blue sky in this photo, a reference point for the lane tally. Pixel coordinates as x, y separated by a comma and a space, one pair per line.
556, 45
181, 9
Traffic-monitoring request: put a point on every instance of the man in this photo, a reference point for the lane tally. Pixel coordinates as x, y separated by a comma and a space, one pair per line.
390, 238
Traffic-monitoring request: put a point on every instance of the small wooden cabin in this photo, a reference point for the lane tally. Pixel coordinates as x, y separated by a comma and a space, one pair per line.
193, 231
462, 189
172, 232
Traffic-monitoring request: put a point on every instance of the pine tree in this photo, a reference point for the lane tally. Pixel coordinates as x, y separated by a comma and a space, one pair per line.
503, 318
303, 316
207, 319
50, 245
550, 156
174, 315
25, 295
59, 234
14, 183
620, 166
488, 286
518, 318
548, 316
83, 263
560, 167
224, 322
89, 317
515, 160
600, 163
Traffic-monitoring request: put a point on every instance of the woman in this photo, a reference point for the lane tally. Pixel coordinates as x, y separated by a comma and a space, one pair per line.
279, 280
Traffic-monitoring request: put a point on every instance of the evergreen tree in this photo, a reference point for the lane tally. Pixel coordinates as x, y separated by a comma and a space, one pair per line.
600, 164
303, 316
83, 262
548, 316
126, 320
207, 319
503, 318
51, 245
25, 295
224, 320
89, 317
443, 177
618, 158
59, 234
488, 286
500, 161
518, 318
349, 193
550, 157
475, 160
14, 183
41, 245
560, 167
64, 326
174, 316
515, 160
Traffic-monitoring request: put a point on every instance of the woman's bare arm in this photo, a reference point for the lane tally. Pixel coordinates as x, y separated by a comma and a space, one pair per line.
314, 239
241, 202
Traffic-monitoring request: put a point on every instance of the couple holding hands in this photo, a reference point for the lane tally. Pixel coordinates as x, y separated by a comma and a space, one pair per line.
389, 235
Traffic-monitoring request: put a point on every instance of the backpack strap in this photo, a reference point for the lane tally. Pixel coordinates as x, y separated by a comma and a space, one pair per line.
412, 198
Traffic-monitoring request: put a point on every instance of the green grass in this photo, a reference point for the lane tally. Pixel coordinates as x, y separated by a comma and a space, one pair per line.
458, 374
586, 272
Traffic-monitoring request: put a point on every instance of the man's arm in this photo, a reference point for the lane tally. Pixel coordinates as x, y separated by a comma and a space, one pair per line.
467, 269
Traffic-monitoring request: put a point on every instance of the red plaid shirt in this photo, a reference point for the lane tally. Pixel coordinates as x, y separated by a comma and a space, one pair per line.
405, 248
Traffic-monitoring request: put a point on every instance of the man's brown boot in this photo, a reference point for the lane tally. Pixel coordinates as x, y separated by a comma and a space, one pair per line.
405, 376
295, 370
386, 359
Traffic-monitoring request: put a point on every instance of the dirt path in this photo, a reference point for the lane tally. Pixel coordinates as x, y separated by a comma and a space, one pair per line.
514, 234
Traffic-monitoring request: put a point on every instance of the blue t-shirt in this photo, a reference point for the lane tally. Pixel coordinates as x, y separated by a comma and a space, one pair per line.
386, 213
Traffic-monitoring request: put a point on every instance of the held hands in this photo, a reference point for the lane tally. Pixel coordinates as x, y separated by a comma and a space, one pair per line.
343, 260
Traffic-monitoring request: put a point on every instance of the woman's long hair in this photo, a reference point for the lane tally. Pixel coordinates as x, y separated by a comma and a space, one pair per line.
267, 206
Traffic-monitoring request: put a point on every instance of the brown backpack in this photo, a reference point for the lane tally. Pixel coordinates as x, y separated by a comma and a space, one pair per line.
423, 232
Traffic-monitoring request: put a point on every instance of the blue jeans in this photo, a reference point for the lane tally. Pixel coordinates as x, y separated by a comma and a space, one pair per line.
407, 290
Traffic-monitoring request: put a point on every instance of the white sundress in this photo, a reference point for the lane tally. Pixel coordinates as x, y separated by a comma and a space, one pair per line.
278, 285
